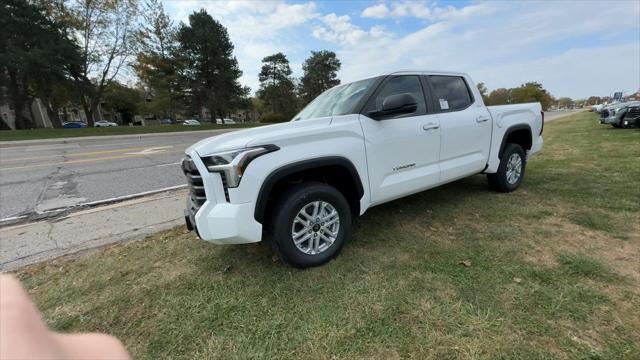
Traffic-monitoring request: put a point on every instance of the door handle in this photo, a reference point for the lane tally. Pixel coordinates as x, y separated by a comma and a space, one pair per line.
430, 126
482, 119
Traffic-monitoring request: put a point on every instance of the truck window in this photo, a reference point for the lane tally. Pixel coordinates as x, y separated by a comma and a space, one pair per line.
450, 93
400, 85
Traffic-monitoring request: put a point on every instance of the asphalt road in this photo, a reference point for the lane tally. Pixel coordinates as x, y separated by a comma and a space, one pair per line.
51, 176
41, 178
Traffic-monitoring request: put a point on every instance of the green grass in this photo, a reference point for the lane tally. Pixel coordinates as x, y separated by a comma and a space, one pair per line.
544, 282
15, 135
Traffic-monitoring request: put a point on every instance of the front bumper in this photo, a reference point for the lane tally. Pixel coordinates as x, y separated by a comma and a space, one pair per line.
216, 219
610, 120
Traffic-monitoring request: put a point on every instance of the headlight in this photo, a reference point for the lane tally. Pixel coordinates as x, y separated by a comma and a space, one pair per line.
232, 164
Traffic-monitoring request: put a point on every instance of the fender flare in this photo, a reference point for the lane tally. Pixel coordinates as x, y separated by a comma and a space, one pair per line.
510, 130
286, 170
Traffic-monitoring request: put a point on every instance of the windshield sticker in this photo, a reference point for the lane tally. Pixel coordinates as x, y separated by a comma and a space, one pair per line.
444, 104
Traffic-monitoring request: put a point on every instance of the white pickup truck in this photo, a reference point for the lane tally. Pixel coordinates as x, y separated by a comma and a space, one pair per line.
355, 146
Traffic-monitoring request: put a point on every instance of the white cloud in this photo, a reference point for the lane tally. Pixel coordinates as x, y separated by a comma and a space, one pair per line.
339, 30
378, 11
422, 10
506, 44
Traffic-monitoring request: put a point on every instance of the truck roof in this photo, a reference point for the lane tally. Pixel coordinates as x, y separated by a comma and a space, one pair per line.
428, 72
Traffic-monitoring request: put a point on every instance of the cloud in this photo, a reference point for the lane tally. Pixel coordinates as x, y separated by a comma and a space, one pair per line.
566, 47
378, 11
422, 10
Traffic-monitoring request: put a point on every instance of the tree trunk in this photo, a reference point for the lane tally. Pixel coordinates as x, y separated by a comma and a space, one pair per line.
52, 111
18, 100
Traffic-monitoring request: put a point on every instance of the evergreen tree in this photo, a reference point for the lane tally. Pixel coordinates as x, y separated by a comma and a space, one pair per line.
208, 71
155, 63
276, 86
320, 73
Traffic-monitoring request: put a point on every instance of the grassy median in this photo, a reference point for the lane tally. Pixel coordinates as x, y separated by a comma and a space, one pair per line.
34, 134
551, 270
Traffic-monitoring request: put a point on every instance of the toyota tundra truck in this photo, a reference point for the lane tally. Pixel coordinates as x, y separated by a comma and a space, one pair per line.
355, 146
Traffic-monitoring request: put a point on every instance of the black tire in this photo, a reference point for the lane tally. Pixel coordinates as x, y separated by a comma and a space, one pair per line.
499, 181
287, 208
617, 126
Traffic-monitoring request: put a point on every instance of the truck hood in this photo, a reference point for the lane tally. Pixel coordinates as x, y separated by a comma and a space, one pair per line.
268, 134
620, 105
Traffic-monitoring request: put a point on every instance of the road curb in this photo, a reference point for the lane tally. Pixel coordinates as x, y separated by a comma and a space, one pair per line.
61, 212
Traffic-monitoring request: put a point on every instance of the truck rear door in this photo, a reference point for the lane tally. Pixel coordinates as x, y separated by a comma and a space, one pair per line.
466, 127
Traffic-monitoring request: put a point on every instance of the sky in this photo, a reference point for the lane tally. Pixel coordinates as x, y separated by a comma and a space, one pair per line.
574, 48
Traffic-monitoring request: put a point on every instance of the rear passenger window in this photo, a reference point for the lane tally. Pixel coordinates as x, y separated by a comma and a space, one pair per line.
451, 93
400, 85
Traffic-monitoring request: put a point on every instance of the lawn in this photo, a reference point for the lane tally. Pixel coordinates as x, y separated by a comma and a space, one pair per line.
554, 272
14, 135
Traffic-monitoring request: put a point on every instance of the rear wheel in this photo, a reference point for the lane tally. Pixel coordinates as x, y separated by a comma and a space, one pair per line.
312, 223
511, 170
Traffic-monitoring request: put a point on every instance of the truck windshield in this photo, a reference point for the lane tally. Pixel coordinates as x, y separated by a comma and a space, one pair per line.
339, 100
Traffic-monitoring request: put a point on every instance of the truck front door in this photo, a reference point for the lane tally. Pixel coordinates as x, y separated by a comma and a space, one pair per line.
403, 150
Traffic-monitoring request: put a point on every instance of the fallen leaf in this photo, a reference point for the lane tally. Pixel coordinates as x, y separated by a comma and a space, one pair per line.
466, 263
517, 280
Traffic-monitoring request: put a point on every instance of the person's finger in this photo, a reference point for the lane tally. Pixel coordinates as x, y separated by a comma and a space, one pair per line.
23, 334
91, 346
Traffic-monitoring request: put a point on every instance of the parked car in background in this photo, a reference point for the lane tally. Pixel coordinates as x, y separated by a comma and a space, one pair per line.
355, 146
166, 122
615, 113
104, 123
74, 125
219, 121
191, 122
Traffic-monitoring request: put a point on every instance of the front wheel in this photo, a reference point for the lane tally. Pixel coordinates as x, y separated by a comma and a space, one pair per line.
311, 225
511, 170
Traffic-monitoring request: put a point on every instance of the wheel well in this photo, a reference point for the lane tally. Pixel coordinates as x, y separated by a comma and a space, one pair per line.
520, 136
342, 177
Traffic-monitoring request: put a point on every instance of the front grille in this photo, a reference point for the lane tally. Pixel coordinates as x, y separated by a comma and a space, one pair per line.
196, 186
225, 186
633, 112
604, 114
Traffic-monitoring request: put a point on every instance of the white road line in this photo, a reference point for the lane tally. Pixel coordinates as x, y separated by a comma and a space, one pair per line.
172, 164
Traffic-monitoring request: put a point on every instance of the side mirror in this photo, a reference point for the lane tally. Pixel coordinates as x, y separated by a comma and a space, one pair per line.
397, 104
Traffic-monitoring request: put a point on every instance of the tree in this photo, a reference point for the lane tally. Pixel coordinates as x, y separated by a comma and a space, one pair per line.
276, 85
320, 73
208, 72
499, 96
36, 58
483, 92
531, 92
106, 32
123, 100
565, 102
155, 63
594, 100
